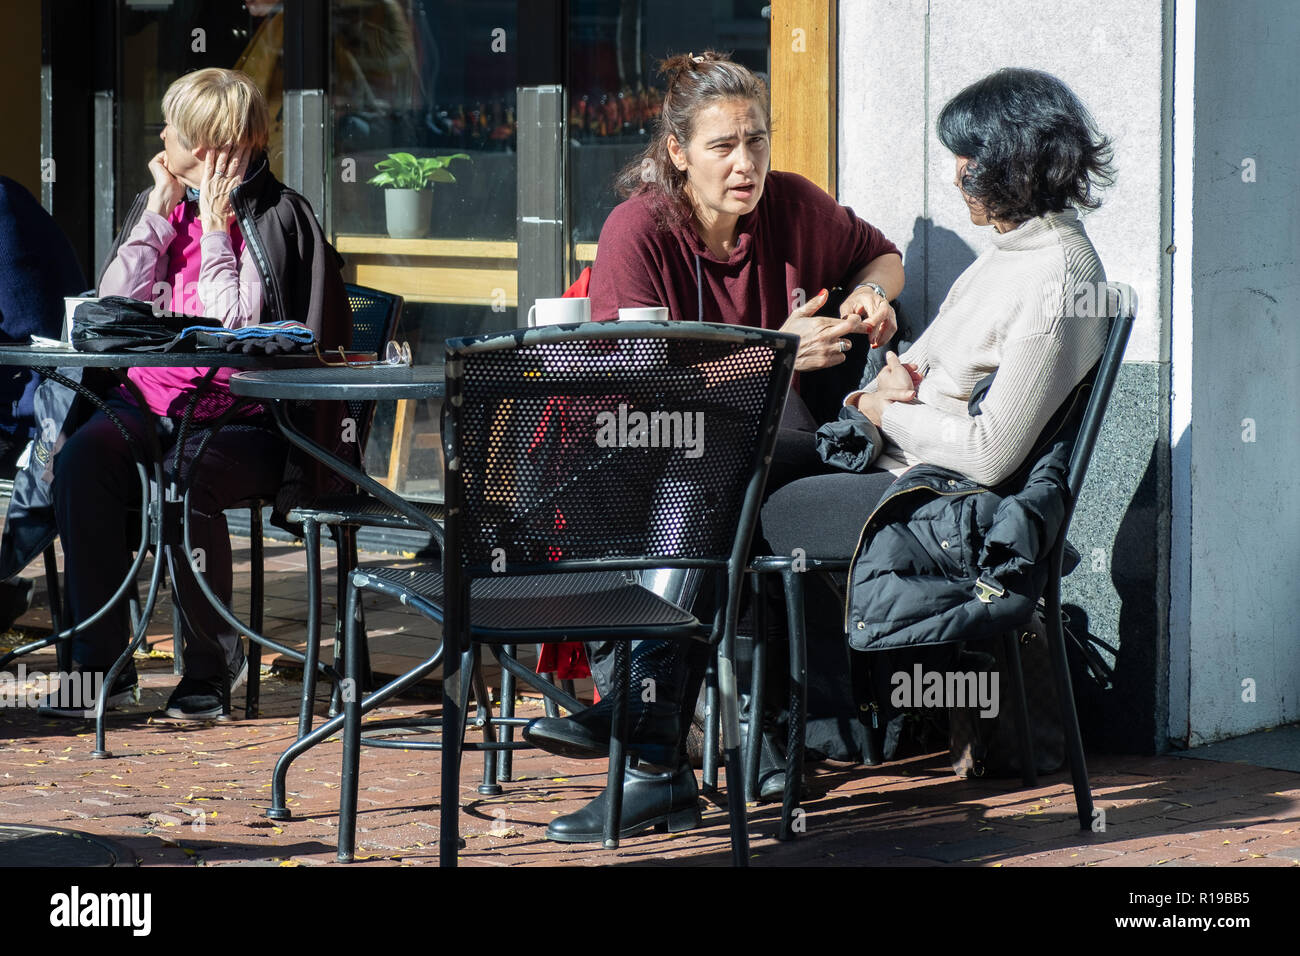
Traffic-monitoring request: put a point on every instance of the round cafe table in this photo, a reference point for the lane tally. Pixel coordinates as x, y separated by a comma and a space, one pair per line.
275, 387
158, 516
280, 387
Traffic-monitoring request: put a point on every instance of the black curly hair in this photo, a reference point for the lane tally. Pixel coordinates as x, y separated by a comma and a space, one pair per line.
1033, 146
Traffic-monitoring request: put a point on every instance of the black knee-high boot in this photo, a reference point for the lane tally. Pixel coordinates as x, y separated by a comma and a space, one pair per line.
657, 673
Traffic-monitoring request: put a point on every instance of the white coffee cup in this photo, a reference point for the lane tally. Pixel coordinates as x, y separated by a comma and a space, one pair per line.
70, 304
654, 351
559, 311
651, 314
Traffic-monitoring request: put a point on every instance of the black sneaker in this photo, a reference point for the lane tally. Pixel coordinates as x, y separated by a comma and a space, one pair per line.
197, 698
74, 698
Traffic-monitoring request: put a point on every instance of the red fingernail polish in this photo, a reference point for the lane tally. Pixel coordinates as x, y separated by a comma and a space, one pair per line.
821, 293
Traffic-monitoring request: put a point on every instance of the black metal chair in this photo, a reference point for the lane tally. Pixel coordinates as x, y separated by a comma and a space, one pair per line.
540, 536
375, 318
1098, 387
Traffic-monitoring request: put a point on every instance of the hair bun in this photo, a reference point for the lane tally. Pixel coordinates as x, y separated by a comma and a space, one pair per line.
675, 66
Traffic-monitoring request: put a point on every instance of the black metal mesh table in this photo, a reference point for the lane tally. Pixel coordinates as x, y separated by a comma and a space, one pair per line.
378, 383
278, 388
47, 362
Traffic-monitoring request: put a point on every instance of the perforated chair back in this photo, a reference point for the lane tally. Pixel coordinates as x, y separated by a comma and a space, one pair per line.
375, 315
604, 445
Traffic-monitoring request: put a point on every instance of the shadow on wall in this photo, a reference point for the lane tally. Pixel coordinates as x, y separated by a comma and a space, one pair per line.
1121, 718
934, 258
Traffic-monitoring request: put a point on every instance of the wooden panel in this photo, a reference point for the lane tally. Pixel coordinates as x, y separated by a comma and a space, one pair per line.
457, 285
447, 248
803, 89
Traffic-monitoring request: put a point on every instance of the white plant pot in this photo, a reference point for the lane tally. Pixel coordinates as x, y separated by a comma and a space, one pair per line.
408, 212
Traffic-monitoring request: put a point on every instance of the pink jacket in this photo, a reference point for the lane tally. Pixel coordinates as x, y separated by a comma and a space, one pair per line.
174, 263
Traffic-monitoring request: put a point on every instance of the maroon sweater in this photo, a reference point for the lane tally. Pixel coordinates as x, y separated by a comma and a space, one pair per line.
798, 238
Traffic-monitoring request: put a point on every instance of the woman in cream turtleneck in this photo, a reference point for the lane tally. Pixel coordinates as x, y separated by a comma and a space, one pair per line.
1031, 308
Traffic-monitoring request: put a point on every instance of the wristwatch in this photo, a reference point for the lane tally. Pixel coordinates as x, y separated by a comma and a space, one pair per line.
875, 287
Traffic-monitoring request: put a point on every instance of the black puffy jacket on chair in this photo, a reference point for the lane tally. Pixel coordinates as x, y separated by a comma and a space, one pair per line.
944, 559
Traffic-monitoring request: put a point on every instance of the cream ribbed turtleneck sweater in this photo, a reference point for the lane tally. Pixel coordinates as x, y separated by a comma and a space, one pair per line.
1027, 308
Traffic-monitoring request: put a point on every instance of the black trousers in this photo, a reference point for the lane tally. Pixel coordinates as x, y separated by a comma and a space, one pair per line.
96, 489
821, 510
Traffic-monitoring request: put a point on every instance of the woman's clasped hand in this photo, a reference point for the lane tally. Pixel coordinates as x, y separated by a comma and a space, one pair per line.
823, 340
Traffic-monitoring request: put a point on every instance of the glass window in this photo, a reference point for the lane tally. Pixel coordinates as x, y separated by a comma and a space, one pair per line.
411, 81
615, 90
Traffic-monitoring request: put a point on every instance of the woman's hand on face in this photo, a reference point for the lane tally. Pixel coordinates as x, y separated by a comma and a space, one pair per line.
823, 341
223, 170
167, 189
877, 317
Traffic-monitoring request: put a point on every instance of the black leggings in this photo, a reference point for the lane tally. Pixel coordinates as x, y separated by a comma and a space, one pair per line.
821, 510
96, 485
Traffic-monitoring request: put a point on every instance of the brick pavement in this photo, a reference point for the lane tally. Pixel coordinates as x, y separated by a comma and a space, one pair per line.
194, 796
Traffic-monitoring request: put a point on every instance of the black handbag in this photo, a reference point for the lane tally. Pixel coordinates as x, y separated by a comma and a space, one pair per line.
990, 746
118, 324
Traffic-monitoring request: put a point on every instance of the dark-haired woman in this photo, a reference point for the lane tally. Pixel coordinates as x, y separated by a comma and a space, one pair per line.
709, 232
1027, 156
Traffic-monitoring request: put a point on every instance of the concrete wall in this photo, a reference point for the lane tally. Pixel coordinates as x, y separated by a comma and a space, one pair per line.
1237, 550
899, 62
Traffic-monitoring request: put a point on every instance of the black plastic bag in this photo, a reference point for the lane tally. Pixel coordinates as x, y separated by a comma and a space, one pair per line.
118, 324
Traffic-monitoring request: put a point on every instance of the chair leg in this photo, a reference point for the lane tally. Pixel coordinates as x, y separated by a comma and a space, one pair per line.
483, 719
1069, 716
757, 682
552, 708
311, 543
341, 571
506, 733
453, 677
617, 738
794, 603
1011, 653
710, 769
253, 692
178, 637
351, 693
62, 650
731, 750
366, 677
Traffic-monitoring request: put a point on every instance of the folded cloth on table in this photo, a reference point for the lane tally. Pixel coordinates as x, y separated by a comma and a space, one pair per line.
269, 337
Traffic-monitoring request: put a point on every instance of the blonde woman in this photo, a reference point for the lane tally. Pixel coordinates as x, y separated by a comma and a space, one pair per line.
215, 235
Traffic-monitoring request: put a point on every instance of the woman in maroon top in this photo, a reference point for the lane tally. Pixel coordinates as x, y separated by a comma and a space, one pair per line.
709, 232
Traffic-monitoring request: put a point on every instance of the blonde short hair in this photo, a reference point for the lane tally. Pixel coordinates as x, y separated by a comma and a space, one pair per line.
215, 108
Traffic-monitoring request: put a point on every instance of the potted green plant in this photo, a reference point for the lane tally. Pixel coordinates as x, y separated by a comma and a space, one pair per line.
407, 182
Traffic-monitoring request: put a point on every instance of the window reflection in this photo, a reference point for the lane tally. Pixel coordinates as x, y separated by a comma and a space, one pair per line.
430, 78
615, 91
